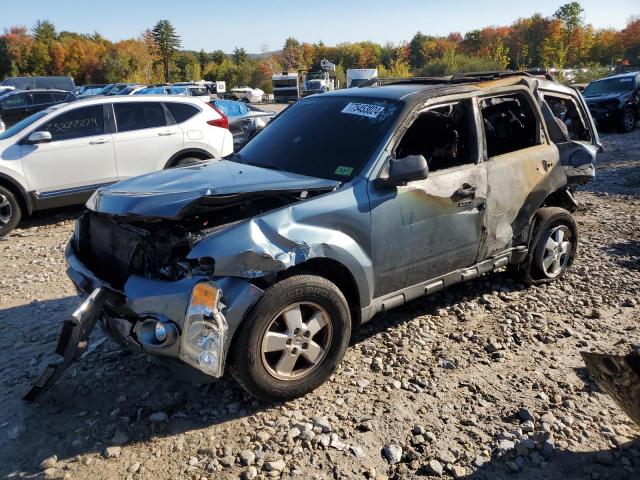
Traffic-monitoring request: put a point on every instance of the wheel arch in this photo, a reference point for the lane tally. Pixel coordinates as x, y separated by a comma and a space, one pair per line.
199, 153
334, 271
19, 191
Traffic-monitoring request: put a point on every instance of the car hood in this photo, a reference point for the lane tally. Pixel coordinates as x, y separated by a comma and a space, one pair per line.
605, 96
179, 192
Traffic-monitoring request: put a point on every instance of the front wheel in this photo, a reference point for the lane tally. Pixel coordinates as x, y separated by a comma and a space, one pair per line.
553, 246
628, 121
293, 338
10, 211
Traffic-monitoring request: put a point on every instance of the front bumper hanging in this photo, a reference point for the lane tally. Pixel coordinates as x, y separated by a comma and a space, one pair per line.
74, 339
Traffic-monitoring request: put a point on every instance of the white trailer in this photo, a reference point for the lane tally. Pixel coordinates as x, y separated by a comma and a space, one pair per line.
358, 76
286, 87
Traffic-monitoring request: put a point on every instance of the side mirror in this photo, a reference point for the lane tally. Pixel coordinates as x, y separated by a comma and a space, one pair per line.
39, 137
405, 170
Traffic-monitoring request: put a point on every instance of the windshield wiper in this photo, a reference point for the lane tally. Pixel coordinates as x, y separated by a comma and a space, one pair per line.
265, 165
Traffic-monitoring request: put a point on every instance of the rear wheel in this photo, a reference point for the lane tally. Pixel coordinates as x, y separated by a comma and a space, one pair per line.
186, 162
553, 247
293, 339
10, 211
628, 120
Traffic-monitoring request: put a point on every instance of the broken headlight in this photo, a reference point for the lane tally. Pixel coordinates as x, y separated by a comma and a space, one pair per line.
204, 331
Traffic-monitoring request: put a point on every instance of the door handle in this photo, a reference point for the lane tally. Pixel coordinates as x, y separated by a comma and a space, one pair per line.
166, 134
98, 141
465, 191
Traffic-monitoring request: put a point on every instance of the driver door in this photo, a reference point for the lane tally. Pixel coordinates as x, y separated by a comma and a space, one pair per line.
431, 227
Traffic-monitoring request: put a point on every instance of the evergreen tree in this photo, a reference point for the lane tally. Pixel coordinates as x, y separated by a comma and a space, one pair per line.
166, 42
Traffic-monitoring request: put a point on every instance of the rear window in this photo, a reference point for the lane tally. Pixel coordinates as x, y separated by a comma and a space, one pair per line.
181, 112
325, 137
139, 115
40, 98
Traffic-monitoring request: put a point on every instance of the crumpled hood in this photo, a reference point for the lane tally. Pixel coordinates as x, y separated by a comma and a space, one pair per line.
605, 97
176, 192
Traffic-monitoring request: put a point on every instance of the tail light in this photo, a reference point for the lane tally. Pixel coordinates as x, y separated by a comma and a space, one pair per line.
222, 122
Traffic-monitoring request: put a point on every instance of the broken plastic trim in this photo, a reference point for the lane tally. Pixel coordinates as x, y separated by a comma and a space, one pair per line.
73, 340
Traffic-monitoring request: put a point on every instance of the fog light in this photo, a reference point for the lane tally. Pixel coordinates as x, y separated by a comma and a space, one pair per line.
160, 332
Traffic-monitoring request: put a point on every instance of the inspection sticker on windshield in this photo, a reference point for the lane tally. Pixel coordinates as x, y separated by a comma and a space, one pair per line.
363, 109
344, 171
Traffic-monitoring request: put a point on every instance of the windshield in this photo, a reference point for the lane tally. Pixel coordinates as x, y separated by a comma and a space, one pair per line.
315, 76
24, 123
611, 85
178, 91
325, 137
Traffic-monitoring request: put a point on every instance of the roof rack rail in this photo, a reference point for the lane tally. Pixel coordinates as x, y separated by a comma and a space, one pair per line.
463, 77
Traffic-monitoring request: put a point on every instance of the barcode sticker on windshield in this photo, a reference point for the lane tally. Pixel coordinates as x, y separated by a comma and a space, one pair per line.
363, 109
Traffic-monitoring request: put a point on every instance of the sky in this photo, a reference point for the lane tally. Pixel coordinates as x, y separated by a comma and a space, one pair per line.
258, 25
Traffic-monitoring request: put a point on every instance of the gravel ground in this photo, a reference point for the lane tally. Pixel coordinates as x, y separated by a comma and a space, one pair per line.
481, 381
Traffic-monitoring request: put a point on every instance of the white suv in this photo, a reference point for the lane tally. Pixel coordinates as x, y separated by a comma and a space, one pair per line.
60, 155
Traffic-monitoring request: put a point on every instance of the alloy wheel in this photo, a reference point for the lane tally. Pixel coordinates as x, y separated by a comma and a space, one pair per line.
555, 253
296, 341
6, 212
629, 120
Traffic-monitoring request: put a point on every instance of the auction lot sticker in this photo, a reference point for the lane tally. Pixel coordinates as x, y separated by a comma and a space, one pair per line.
363, 109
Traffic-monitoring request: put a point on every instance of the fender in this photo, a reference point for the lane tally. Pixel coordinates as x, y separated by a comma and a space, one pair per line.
22, 192
266, 245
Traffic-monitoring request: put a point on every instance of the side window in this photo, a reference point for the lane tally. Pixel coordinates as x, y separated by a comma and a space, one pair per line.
60, 97
78, 123
40, 98
15, 101
509, 124
444, 135
139, 115
566, 110
181, 112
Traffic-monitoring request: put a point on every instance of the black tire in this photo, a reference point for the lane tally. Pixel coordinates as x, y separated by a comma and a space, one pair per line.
10, 211
248, 362
628, 120
546, 223
186, 162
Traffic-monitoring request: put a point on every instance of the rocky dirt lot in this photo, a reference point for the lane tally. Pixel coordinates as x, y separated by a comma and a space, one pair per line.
481, 381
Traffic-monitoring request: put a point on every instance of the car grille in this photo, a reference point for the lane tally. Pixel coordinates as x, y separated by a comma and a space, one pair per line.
111, 250
312, 86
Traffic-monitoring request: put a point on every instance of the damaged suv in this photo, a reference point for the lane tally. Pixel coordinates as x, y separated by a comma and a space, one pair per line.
346, 205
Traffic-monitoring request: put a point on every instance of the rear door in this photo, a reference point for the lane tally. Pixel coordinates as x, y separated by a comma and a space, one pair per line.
78, 159
523, 167
145, 138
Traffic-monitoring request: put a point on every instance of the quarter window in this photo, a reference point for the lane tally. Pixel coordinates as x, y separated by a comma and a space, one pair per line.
78, 123
509, 124
139, 115
181, 112
566, 111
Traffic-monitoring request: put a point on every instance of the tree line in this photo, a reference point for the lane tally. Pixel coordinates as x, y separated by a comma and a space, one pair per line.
563, 40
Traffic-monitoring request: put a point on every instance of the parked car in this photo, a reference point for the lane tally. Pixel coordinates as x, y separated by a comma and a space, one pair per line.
615, 100
60, 155
248, 94
186, 90
245, 121
30, 83
93, 90
131, 89
119, 87
19, 104
349, 204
